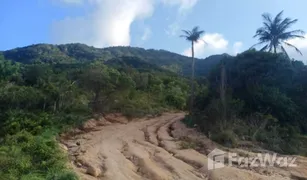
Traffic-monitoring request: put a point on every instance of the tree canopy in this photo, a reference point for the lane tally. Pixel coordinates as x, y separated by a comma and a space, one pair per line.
275, 33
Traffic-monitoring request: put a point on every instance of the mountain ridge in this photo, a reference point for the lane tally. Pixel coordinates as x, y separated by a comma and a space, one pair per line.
77, 52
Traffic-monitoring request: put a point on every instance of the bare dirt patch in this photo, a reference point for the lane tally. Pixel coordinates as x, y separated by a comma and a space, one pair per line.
118, 149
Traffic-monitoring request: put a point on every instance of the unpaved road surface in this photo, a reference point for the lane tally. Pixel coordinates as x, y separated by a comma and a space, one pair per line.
149, 149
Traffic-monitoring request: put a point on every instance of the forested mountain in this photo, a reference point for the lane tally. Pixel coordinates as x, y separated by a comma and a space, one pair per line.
76, 53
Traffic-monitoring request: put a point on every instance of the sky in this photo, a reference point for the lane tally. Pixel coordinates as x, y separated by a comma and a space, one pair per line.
229, 25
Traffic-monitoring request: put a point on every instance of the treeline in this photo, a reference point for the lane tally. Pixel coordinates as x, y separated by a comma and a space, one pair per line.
256, 96
77, 53
38, 100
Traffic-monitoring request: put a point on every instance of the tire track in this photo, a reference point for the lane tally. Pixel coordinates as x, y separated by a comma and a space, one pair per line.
162, 134
145, 150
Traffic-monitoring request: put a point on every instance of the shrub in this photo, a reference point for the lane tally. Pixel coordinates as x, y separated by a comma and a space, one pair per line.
62, 175
226, 138
25, 156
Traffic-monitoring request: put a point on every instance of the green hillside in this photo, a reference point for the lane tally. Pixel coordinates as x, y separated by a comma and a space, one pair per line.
39, 100
76, 53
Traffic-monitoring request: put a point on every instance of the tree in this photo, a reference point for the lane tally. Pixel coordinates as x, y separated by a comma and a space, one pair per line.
193, 36
8, 69
274, 33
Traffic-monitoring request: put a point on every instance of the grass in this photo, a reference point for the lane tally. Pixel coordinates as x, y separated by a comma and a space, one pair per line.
189, 143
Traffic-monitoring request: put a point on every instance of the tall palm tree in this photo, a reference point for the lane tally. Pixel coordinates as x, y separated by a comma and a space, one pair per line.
274, 33
193, 36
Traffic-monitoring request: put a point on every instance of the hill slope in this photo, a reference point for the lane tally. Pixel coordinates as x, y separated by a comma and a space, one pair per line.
71, 53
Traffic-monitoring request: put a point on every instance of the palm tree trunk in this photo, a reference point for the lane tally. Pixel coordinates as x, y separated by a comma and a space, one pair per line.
192, 79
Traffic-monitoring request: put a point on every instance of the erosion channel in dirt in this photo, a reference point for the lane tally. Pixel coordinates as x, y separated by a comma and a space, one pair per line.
151, 148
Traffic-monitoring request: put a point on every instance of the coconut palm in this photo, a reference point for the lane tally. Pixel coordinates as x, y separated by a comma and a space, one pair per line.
192, 36
275, 33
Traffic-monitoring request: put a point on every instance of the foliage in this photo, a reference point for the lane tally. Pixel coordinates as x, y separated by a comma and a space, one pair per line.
25, 156
274, 33
8, 69
226, 137
38, 100
193, 35
73, 54
263, 101
189, 143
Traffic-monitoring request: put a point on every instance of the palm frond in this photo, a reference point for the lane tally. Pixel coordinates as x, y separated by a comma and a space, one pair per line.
274, 32
298, 31
286, 23
292, 34
184, 36
267, 26
265, 37
203, 41
195, 29
193, 35
187, 32
270, 46
264, 48
201, 32
284, 51
267, 18
296, 49
253, 46
278, 18
262, 32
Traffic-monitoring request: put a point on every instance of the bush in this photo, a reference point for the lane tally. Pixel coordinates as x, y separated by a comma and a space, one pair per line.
189, 143
226, 138
62, 175
23, 154
19, 120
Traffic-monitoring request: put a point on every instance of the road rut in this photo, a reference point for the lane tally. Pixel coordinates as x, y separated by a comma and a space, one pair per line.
145, 149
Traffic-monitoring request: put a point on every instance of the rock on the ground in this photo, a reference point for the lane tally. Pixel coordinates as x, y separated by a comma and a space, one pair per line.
63, 147
89, 125
93, 171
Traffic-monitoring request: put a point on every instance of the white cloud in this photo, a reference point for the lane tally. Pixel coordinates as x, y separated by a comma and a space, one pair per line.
301, 44
237, 47
110, 21
184, 7
147, 34
173, 28
108, 25
183, 4
210, 43
77, 2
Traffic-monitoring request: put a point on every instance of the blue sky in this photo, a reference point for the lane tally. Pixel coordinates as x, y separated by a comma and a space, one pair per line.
157, 24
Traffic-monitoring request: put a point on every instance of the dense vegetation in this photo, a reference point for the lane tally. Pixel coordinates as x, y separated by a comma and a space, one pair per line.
38, 100
76, 53
256, 96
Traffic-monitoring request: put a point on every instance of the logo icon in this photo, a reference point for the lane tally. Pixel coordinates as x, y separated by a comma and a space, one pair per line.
216, 159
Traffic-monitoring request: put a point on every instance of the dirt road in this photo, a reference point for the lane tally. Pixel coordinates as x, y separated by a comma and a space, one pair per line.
146, 149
